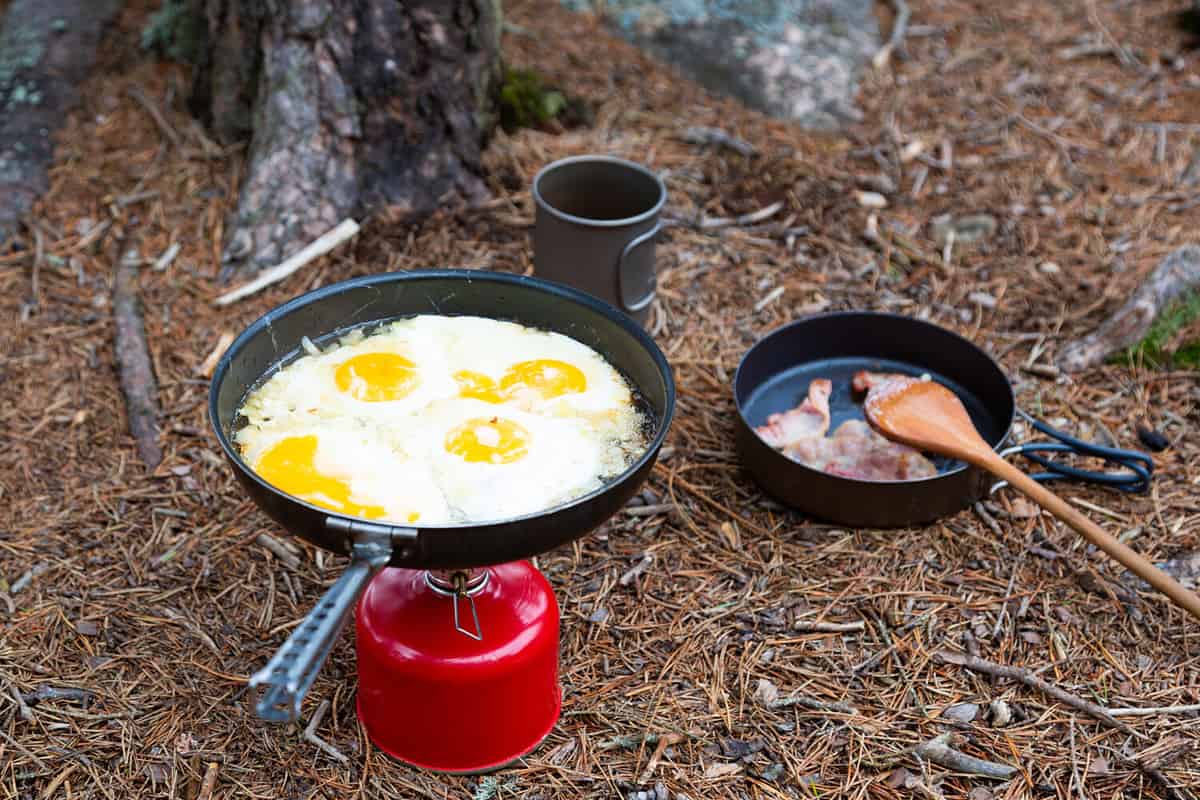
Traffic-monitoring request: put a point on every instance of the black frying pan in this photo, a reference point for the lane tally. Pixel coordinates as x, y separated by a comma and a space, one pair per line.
325, 315
774, 376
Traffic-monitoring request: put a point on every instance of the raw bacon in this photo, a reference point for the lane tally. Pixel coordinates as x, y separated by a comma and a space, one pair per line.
854, 450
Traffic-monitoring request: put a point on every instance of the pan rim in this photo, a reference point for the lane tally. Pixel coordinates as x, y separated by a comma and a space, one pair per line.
786, 462
470, 275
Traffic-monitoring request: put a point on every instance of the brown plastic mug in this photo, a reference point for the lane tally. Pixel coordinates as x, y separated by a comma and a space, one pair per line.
597, 217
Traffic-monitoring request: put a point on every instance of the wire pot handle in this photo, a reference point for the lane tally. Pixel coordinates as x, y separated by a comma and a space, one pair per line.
282, 684
1134, 469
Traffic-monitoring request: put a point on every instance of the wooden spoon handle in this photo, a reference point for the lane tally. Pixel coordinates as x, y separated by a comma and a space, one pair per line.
1134, 561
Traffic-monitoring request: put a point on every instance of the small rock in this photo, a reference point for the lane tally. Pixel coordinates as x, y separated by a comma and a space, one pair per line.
772, 772
879, 182
1049, 267
85, 628
599, 615
766, 693
968, 229
650, 497
962, 712
871, 199
1099, 766
980, 793
898, 778
1001, 713
660, 791
736, 748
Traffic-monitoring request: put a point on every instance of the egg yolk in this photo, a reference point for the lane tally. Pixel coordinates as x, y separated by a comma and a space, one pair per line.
477, 386
289, 466
492, 440
377, 377
546, 376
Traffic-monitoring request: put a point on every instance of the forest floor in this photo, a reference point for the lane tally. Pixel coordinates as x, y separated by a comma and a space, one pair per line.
150, 597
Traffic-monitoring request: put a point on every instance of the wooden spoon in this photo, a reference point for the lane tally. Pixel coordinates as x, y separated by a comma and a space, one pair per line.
928, 416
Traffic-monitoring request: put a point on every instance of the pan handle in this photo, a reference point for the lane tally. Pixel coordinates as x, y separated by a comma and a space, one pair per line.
285, 680
1135, 468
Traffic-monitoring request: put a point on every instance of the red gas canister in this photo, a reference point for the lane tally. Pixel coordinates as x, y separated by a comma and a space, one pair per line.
465, 699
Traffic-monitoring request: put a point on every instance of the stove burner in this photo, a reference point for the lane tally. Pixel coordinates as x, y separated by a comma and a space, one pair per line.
460, 584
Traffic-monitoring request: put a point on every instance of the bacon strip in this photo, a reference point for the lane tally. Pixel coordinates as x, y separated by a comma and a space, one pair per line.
808, 420
854, 450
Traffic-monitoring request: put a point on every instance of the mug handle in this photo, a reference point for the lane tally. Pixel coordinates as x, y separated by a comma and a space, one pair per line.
634, 243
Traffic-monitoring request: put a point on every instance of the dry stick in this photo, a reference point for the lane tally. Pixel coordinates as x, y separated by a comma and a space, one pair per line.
289, 559
310, 734
1026, 677
26, 711
210, 782
145, 102
896, 39
1149, 712
1178, 272
813, 703
317, 248
133, 362
664, 741
700, 134
939, 751
206, 367
712, 223
828, 627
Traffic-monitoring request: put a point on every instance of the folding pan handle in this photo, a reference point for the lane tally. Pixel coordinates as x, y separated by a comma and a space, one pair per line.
1135, 468
285, 680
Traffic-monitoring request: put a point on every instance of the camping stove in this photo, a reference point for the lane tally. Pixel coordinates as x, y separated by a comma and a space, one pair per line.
458, 670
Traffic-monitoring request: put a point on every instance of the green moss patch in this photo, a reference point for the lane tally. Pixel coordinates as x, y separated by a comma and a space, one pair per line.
1161, 346
175, 32
526, 101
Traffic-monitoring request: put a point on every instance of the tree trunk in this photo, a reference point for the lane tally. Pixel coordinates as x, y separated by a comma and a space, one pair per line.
351, 107
46, 49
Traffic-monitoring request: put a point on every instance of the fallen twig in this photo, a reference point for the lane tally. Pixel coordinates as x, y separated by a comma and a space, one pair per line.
828, 627
939, 751
1174, 275
976, 664
634, 572
664, 741
207, 366
813, 703
210, 782
713, 223
700, 134
1153, 711
280, 550
167, 257
151, 108
896, 39
133, 362
26, 711
322, 245
310, 734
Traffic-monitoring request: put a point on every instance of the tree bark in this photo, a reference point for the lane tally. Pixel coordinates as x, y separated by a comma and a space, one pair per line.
351, 107
46, 49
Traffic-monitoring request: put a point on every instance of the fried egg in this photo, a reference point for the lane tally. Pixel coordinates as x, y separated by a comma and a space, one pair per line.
347, 467
398, 370
493, 462
438, 419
